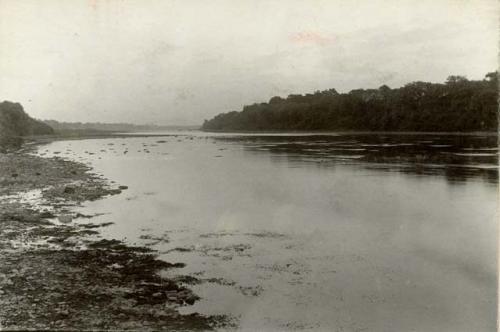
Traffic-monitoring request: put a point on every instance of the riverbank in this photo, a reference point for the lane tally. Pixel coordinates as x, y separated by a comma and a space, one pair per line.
56, 272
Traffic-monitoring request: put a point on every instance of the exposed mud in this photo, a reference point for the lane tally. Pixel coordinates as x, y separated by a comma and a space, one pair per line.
58, 274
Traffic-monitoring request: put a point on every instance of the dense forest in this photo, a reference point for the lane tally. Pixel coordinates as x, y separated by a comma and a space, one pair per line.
15, 122
458, 104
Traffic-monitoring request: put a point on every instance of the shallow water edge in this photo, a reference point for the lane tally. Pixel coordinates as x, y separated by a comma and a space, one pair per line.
58, 274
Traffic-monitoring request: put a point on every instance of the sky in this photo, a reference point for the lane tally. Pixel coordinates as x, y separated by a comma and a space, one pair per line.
180, 62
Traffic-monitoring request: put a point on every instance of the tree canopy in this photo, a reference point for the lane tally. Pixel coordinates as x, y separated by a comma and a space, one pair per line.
15, 122
458, 104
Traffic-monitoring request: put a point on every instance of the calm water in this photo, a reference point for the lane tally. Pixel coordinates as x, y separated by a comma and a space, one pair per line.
313, 232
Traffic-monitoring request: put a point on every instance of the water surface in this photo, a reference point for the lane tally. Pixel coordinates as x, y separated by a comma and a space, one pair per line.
313, 232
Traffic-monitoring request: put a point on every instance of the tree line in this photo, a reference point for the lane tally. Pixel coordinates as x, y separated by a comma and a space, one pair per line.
458, 104
15, 122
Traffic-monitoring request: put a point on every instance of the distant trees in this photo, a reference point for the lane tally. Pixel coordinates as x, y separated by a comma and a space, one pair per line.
458, 104
99, 127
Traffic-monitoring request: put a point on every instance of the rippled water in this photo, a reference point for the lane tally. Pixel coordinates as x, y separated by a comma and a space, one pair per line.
313, 232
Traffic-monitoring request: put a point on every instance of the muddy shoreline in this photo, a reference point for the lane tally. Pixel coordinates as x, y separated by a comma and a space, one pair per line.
59, 274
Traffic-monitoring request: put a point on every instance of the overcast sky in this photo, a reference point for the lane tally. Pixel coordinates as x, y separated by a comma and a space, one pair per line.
179, 62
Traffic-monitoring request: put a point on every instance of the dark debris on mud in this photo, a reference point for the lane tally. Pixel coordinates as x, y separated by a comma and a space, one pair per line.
55, 276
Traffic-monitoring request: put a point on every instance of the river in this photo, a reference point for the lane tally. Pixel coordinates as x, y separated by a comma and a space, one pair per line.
323, 232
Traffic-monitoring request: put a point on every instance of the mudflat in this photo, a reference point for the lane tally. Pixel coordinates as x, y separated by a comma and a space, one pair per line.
56, 274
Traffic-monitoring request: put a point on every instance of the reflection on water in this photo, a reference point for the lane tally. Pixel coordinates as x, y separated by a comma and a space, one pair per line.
297, 232
455, 157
